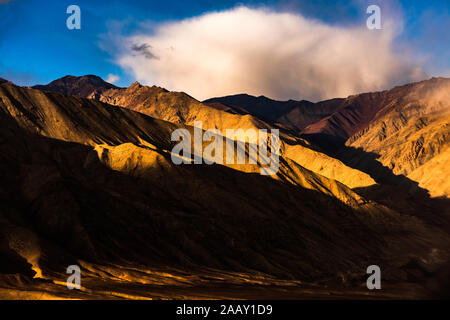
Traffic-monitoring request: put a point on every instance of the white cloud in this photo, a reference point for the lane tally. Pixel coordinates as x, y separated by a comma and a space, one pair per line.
112, 78
258, 51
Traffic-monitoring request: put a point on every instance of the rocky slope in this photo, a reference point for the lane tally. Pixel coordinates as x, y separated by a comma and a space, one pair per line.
412, 132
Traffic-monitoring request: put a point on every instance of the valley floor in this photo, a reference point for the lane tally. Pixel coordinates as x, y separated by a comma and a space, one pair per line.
115, 283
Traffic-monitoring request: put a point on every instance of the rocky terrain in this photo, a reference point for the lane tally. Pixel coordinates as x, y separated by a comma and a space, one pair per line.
404, 128
87, 179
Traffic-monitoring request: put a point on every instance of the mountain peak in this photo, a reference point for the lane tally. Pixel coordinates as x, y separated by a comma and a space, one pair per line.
91, 78
82, 86
136, 85
261, 106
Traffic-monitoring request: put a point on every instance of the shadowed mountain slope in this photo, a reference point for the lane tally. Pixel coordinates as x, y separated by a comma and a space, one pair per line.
295, 115
261, 107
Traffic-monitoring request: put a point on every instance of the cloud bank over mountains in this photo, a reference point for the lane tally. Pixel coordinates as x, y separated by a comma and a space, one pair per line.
262, 52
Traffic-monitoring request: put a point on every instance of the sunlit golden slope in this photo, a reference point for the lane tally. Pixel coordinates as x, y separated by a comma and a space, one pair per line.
410, 137
325, 165
176, 107
146, 160
79, 120
434, 175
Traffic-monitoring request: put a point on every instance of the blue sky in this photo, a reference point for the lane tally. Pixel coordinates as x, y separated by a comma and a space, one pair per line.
36, 47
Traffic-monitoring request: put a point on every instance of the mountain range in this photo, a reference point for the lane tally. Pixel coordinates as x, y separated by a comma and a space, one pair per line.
87, 179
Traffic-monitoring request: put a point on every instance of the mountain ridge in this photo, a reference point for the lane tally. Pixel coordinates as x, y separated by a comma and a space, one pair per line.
77, 86
180, 108
353, 122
